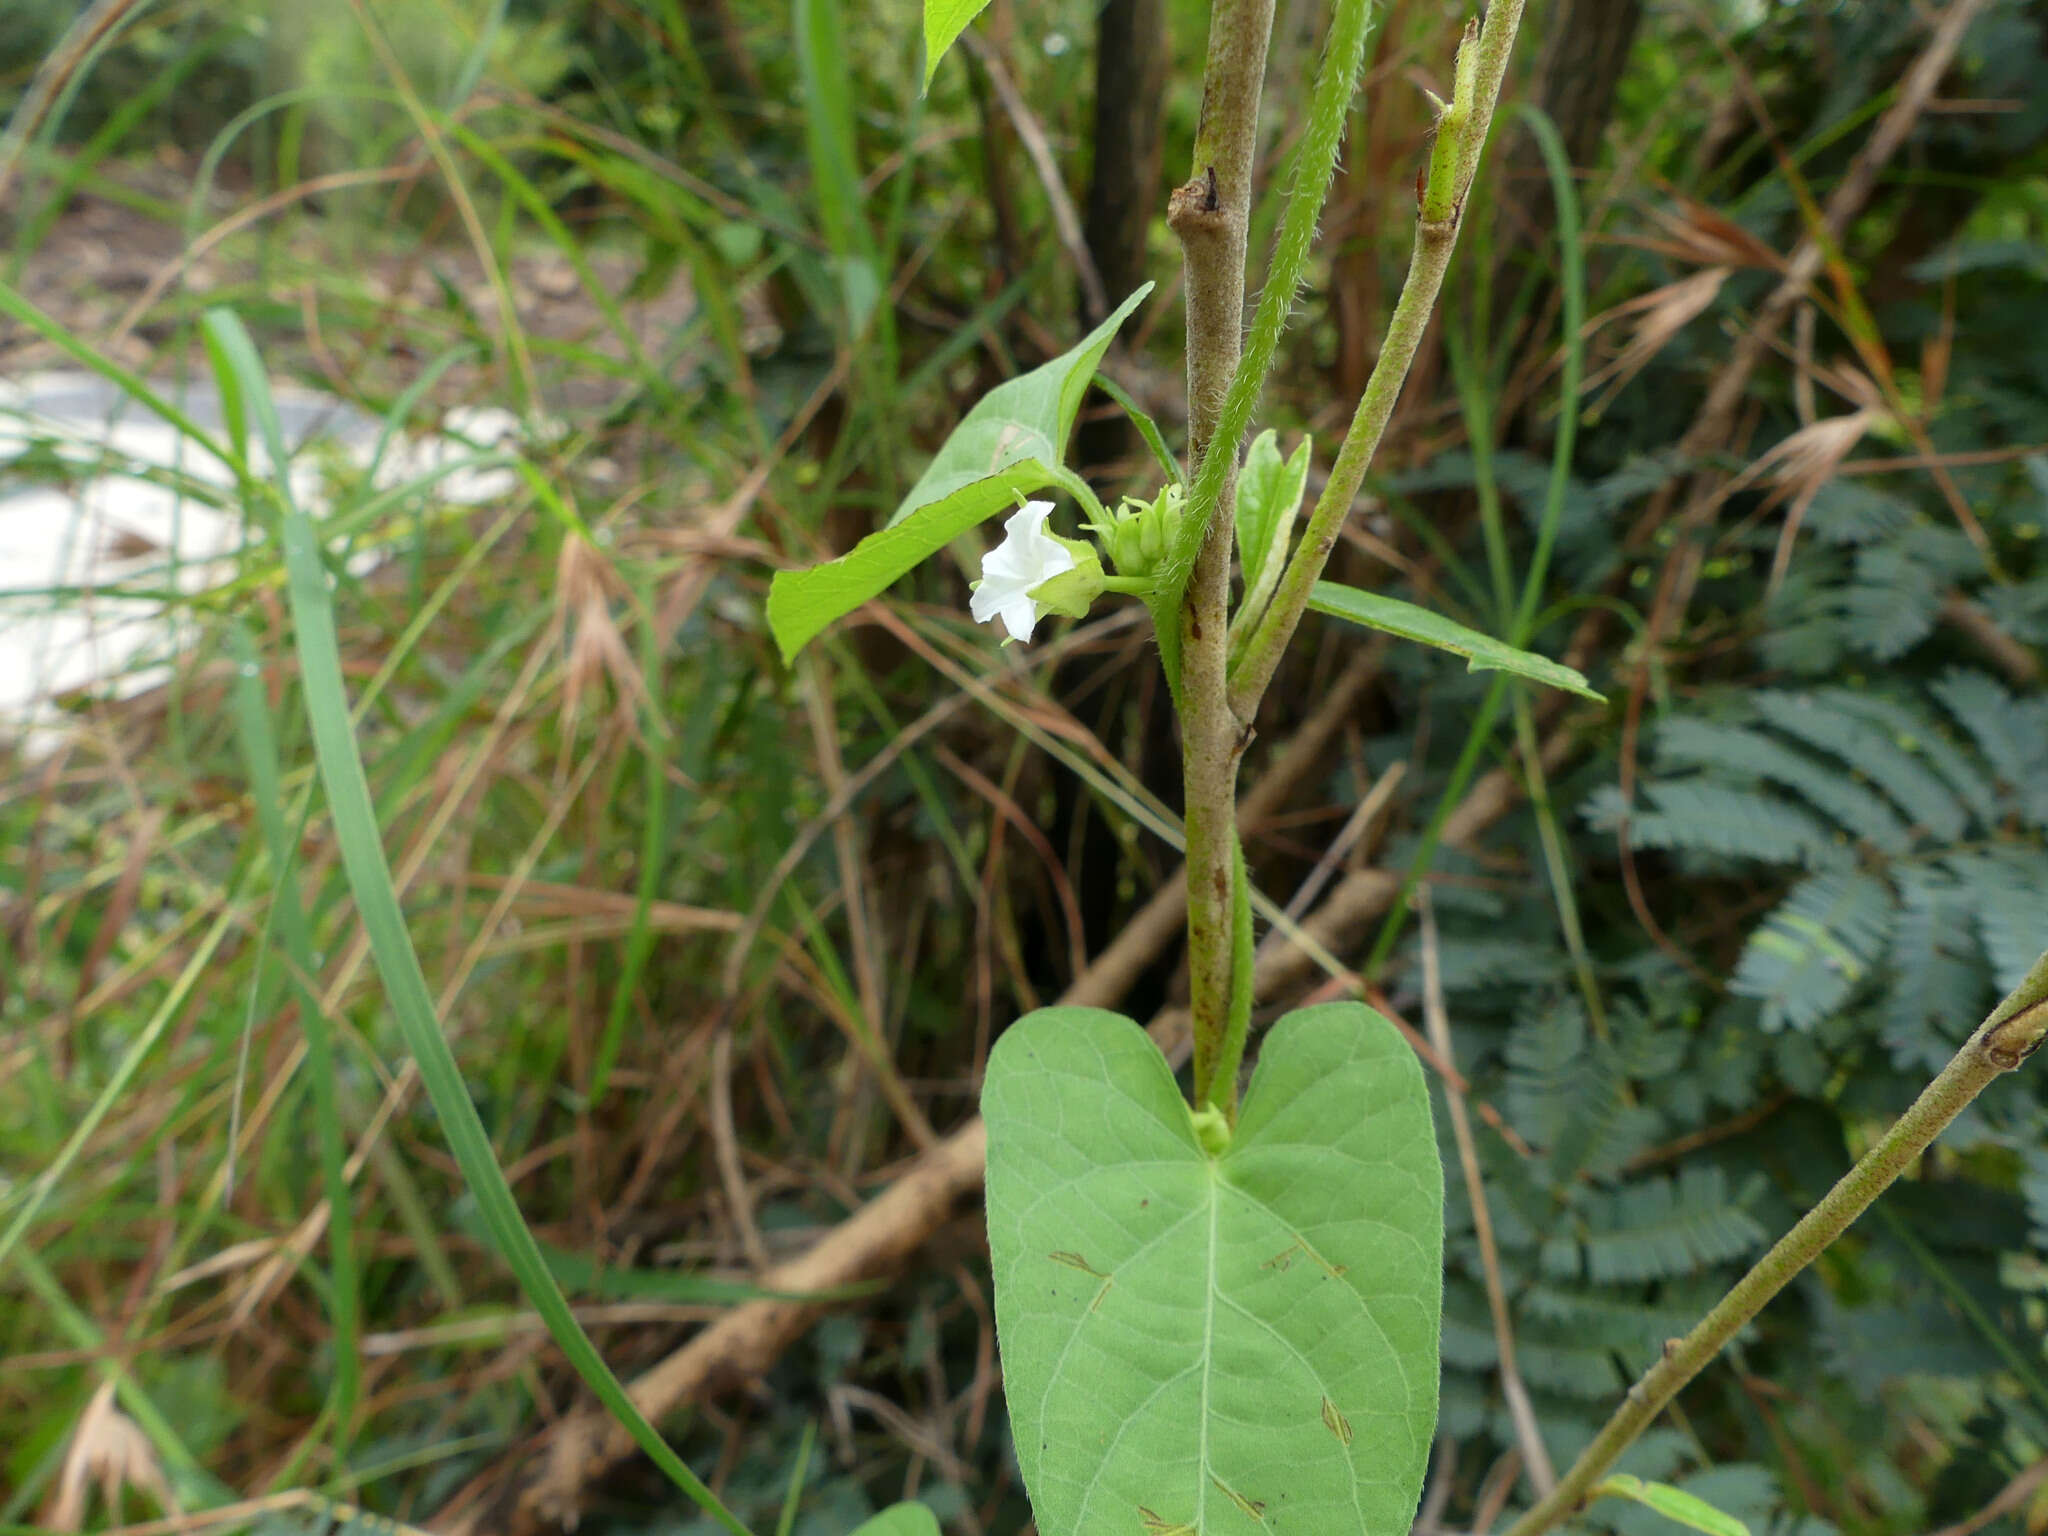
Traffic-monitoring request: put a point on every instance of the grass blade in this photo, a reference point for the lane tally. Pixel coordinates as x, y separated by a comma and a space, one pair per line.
369, 876
266, 783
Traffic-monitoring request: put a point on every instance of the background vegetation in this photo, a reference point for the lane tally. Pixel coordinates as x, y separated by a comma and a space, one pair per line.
721, 946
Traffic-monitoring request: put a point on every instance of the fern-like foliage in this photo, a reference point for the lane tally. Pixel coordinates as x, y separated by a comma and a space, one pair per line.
1814, 950
1728, 820
1920, 818
1655, 1229
1607, 1248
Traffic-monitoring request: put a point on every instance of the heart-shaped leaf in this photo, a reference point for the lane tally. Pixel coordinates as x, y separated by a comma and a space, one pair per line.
1012, 442
1216, 1346
1482, 653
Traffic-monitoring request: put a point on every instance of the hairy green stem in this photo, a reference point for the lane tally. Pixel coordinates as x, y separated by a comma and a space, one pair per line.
1522, 625
1215, 734
1482, 66
2013, 1032
1315, 167
1211, 213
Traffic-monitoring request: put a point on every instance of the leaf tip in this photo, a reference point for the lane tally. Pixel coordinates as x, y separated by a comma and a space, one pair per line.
791, 633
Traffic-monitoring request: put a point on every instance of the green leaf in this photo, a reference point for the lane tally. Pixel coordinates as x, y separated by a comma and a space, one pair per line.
1269, 492
1011, 442
901, 1520
1482, 653
945, 20
1028, 417
1672, 1503
1148, 429
1214, 1345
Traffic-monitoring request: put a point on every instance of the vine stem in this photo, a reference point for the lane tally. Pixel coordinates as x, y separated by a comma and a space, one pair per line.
1482, 66
1213, 734
1211, 213
2013, 1032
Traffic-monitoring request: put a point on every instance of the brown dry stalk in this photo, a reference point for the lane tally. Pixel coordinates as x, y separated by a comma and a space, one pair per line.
1528, 1434
1916, 89
93, 28
1066, 222
1715, 420
2012, 658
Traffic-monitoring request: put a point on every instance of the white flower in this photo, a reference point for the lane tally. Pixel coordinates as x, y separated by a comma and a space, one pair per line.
1027, 556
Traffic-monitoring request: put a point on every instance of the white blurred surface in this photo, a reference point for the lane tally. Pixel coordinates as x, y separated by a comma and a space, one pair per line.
66, 551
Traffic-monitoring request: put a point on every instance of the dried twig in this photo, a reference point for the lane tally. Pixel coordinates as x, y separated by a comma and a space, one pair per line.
725, 1148
2015, 660
1349, 837
2014, 1495
1064, 219
1437, 1020
1714, 423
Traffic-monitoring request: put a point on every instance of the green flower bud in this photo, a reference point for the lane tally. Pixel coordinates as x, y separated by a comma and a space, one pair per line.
1143, 532
1071, 592
1211, 1130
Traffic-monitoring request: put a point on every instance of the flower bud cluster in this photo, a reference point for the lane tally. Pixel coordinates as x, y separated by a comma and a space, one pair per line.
1141, 533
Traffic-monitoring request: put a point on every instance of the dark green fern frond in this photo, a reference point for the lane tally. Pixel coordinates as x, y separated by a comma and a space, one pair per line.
1915, 730
1607, 1319
1853, 513
2007, 889
1820, 720
1469, 963
1661, 1228
1467, 1339
1547, 1071
1697, 816
2021, 610
2034, 1190
1892, 604
1745, 754
1809, 955
1562, 1364
1936, 988
1568, 1095
2011, 733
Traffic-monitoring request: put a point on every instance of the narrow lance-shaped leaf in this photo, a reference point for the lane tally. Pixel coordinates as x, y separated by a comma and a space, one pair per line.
1221, 1344
1011, 443
1672, 1503
1482, 653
